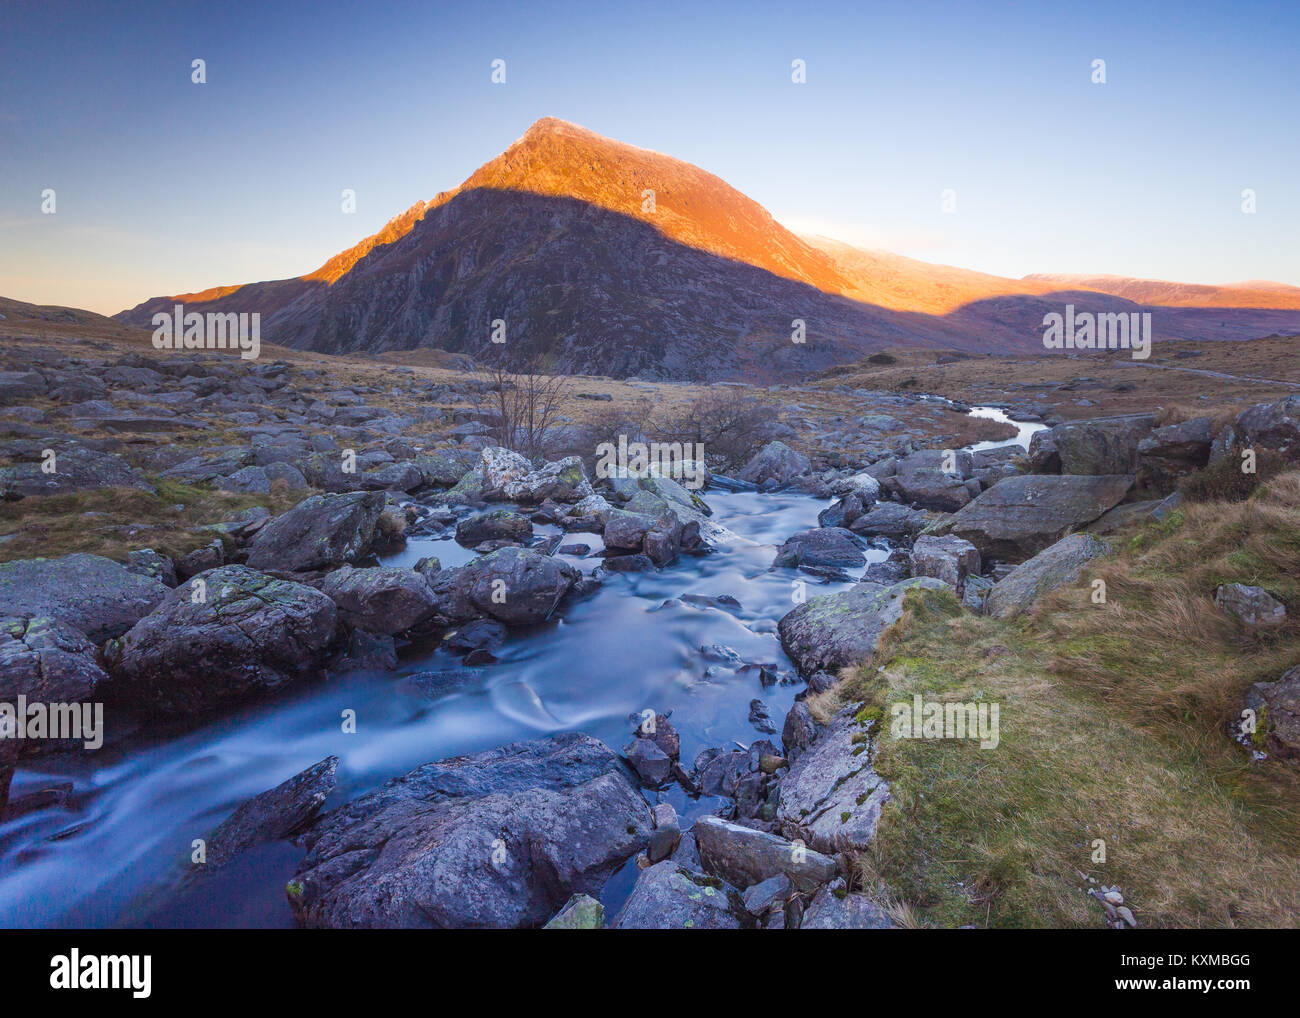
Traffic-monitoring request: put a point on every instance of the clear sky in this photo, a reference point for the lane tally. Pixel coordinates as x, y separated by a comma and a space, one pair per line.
165, 186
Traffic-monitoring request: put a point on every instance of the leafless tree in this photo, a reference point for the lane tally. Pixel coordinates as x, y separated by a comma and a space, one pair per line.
521, 404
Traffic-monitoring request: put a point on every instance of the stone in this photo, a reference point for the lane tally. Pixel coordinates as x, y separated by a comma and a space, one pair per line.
1056, 566
272, 816
831, 796
224, 638
833, 631
75, 469
1098, 446
381, 599
836, 908
95, 595
921, 479
499, 839
1277, 713
497, 525
776, 462
949, 559
667, 833
320, 532
799, 729
1020, 516
582, 912
516, 586
821, 546
669, 896
1255, 606
743, 856
890, 520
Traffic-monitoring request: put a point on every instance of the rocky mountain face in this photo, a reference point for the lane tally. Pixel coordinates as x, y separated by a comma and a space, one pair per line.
609, 259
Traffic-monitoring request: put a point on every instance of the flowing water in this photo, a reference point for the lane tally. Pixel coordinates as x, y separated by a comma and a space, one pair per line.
106, 857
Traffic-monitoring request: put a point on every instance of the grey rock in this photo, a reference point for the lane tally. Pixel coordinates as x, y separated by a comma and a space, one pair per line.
949, 559
96, 595
497, 525
836, 908
272, 816
381, 599
320, 532
1255, 606
776, 462
582, 912
743, 856
1056, 566
821, 546
668, 896
498, 839
1277, 712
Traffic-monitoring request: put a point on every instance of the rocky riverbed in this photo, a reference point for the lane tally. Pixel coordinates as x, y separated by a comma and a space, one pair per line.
451, 687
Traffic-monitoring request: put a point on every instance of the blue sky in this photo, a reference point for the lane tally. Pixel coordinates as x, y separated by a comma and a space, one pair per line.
166, 186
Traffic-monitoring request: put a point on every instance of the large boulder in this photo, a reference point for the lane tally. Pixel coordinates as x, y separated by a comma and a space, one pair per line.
225, 637
836, 630
1020, 516
562, 481
1255, 606
889, 519
831, 797
498, 467
832, 547
98, 596
670, 896
776, 462
47, 661
922, 480
320, 532
69, 470
381, 599
1056, 566
498, 839
1271, 425
517, 586
1103, 445
945, 558
743, 856
1172, 452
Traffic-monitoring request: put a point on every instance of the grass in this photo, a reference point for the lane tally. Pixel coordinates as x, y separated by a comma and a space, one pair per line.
112, 522
1114, 725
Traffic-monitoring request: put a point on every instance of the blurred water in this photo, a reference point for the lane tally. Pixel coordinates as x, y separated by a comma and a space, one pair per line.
137, 806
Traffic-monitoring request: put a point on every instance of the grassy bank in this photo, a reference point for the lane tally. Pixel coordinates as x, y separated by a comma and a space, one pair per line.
1114, 726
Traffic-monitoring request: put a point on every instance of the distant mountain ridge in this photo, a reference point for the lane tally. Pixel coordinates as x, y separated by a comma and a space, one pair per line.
605, 258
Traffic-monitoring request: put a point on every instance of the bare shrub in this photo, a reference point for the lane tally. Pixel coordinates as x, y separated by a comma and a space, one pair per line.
730, 425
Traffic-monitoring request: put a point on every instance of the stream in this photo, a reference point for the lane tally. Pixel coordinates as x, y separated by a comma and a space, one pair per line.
110, 854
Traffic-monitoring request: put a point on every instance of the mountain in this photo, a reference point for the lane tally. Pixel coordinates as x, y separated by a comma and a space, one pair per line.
1252, 294
605, 258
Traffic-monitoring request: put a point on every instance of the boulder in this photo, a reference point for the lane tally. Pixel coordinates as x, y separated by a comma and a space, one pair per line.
497, 525
743, 856
1104, 445
834, 547
498, 839
320, 532
836, 908
775, 462
517, 586
1020, 516
831, 798
47, 661
669, 896
836, 630
381, 599
71, 469
1173, 452
799, 729
1056, 566
1271, 425
890, 520
562, 481
498, 467
945, 558
667, 833
96, 595
273, 815
922, 480
1255, 606
223, 638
